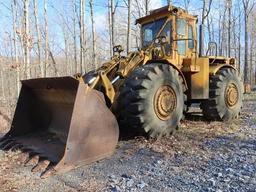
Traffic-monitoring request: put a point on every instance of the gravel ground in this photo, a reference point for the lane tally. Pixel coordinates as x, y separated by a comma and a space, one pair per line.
201, 156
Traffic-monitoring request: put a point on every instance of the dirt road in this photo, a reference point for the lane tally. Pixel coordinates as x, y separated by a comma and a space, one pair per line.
201, 156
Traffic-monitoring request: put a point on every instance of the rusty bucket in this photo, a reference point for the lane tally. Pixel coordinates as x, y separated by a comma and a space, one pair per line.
62, 123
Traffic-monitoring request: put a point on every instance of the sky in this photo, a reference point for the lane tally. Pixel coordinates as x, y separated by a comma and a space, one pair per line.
64, 6
100, 9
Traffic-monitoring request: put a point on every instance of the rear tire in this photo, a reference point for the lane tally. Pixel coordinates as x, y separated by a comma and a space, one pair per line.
226, 96
151, 101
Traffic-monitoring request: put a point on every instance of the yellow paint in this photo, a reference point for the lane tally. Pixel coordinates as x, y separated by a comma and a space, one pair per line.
193, 69
215, 68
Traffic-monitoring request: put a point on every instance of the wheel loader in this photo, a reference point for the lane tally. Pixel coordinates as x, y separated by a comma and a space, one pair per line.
65, 122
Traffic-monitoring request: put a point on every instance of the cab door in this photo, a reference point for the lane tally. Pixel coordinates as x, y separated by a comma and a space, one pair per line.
181, 39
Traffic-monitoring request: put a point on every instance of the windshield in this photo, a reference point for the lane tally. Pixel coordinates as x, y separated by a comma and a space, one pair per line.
150, 31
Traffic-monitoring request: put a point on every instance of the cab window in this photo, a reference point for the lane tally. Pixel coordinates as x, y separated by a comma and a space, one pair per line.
181, 27
181, 31
190, 37
167, 33
150, 30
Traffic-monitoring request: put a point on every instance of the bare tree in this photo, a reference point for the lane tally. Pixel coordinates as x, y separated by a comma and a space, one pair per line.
252, 36
66, 44
128, 25
229, 6
112, 6
82, 35
239, 38
26, 38
109, 28
74, 36
113, 10
94, 60
209, 22
248, 7
39, 39
220, 31
46, 39
146, 6
205, 13
14, 25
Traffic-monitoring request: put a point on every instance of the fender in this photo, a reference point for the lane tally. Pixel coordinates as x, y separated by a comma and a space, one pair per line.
174, 66
215, 68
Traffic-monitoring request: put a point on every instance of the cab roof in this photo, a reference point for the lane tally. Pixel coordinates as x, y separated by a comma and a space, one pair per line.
164, 12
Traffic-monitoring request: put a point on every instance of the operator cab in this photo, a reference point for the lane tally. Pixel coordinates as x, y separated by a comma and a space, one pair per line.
150, 31
176, 25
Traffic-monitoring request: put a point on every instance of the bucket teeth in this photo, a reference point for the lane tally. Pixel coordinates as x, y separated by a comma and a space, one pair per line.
4, 138
32, 159
50, 171
5, 142
41, 165
24, 157
16, 147
8, 145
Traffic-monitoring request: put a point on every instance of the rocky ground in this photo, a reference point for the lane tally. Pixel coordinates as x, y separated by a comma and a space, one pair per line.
201, 156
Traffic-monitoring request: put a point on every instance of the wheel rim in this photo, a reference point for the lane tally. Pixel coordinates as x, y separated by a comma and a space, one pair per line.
165, 102
231, 95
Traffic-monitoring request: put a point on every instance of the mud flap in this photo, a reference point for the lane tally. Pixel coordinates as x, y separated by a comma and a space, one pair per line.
62, 122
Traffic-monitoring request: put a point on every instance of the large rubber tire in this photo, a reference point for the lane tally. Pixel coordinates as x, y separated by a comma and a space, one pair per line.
136, 102
225, 86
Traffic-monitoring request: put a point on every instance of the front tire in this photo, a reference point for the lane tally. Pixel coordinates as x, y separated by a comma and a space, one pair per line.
151, 101
226, 96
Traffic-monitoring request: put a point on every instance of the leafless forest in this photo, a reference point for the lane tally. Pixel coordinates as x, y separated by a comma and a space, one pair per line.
58, 38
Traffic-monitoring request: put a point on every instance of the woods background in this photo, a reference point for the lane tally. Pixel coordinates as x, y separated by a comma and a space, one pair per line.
57, 38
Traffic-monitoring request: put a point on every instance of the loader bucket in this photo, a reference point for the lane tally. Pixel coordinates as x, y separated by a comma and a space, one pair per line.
62, 123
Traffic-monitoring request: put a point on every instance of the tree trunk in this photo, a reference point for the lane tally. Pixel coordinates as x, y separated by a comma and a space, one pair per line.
39, 41
54, 63
74, 38
109, 29
205, 13
146, 6
251, 65
219, 34
201, 31
113, 23
46, 39
17, 65
66, 45
94, 60
239, 42
223, 35
234, 35
247, 10
229, 2
82, 41
128, 25
2, 85
246, 64
209, 32
27, 39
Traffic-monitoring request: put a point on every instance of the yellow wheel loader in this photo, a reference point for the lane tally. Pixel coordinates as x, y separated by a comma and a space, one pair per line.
69, 121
